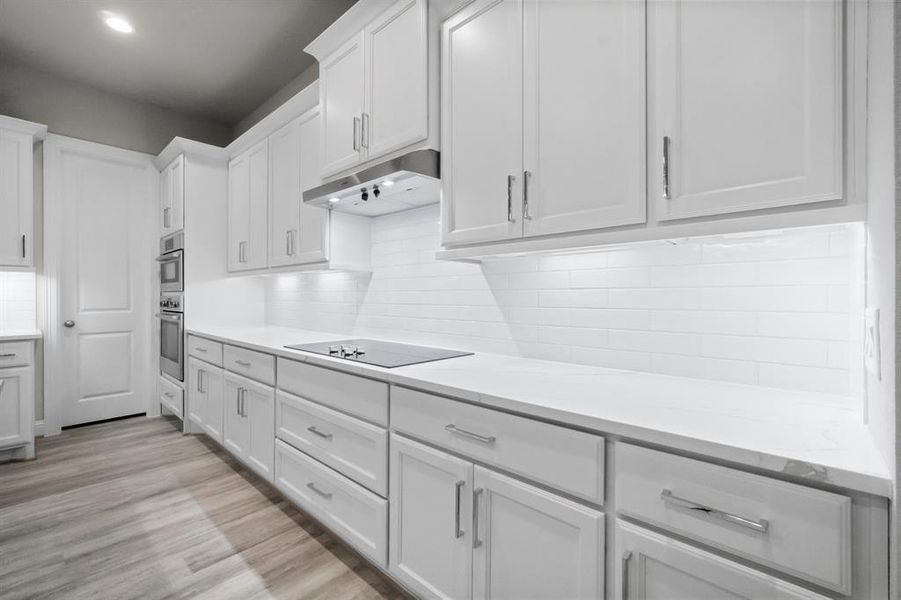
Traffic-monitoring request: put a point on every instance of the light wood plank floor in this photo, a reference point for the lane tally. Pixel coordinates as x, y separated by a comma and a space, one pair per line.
134, 509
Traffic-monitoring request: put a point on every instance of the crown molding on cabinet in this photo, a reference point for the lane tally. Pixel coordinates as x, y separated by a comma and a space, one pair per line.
37, 130
180, 145
348, 25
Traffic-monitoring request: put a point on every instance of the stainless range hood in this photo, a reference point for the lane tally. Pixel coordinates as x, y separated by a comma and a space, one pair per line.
408, 181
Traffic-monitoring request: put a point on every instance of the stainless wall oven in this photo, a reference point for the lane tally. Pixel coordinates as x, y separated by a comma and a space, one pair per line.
172, 335
172, 263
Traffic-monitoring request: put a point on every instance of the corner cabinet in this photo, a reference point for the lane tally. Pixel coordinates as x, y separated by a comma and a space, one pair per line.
17, 140
172, 196
248, 200
374, 86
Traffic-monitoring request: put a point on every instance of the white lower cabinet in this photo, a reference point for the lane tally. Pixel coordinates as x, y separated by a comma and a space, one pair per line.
460, 531
16, 409
353, 512
205, 397
249, 422
172, 397
655, 567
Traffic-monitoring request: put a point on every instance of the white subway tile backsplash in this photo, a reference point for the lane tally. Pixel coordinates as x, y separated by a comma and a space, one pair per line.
18, 301
777, 309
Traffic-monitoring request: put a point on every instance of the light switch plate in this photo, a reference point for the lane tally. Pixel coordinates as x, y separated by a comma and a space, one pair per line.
871, 345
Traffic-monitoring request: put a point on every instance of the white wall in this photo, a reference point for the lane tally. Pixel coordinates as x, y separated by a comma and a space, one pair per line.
781, 310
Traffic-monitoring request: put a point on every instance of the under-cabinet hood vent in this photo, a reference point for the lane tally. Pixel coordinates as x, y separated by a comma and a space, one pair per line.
402, 183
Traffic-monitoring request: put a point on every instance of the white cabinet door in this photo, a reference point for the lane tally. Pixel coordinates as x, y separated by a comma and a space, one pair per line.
654, 567
430, 544
213, 406
481, 123
584, 115
529, 543
196, 395
172, 196
313, 242
341, 101
284, 194
16, 401
248, 199
745, 105
397, 79
16, 199
259, 415
235, 429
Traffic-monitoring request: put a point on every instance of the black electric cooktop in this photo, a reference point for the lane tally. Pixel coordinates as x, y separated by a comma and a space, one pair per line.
380, 354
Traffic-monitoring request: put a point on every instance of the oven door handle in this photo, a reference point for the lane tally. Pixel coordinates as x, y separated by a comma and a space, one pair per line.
175, 318
175, 255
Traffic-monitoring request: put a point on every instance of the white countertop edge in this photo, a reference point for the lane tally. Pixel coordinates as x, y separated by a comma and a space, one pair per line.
875, 483
15, 335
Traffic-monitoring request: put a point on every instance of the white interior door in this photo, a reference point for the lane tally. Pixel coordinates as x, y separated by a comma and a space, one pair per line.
100, 232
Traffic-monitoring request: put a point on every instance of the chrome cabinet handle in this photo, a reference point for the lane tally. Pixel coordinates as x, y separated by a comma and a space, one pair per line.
242, 252
627, 556
201, 349
476, 542
169, 395
238, 401
204, 381
242, 363
364, 131
485, 439
526, 214
200, 380
8, 355
289, 242
23, 245
458, 490
356, 134
760, 525
666, 142
326, 495
244, 402
69, 323
312, 429
162, 317
510, 179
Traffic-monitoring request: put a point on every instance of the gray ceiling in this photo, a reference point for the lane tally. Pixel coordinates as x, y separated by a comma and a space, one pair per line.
215, 58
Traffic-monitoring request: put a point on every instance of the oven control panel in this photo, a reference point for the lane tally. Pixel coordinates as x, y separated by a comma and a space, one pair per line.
172, 302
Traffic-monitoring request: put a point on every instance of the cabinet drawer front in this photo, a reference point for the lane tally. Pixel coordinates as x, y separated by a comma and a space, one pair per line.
568, 460
357, 515
795, 529
358, 396
352, 447
16, 354
205, 349
172, 397
248, 363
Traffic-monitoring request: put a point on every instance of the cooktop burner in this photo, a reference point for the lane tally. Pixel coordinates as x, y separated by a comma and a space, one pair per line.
380, 354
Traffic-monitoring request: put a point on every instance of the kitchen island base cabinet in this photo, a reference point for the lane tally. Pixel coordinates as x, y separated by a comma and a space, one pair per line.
459, 530
249, 422
205, 397
655, 567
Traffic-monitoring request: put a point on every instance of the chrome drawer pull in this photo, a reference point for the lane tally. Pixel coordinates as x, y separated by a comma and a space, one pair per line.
8, 355
312, 429
168, 395
666, 190
200, 349
485, 439
243, 363
760, 526
326, 495
458, 489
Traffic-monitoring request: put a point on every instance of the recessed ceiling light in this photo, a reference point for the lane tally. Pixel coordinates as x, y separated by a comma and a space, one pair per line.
333, 200
116, 22
387, 183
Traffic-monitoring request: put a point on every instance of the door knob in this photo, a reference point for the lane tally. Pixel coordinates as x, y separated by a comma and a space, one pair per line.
69, 323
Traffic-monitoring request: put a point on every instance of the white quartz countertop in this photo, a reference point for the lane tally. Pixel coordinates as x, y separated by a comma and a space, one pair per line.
810, 436
14, 335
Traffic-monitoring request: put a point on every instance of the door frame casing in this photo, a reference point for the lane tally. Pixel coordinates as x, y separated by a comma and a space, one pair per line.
54, 148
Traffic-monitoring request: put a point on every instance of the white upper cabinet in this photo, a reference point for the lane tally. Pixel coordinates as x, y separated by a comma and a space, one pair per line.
481, 123
745, 105
17, 140
374, 84
341, 93
172, 196
584, 115
284, 194
313, 242
248, 198
396, 56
